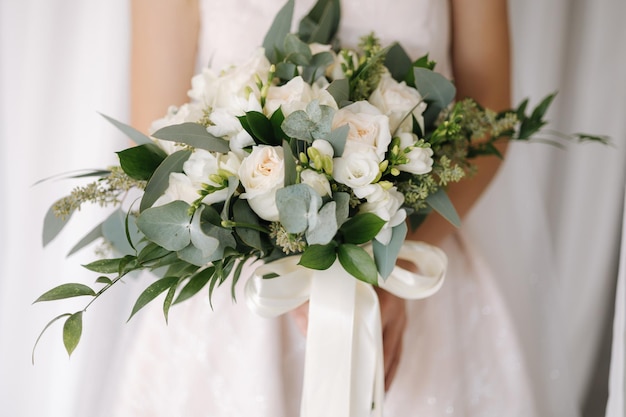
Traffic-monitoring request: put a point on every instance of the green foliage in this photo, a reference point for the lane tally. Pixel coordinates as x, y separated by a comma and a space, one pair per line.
361, 228
313, 123
66, 291
436, 90
385, 256
192, 134
320, 25
167, 226
72, 331
140, 161
320, 257
358, 263
132, 133
440, 202
195, 284
274, 39
340, 90
53, 224
151, 292
160, 179
260, 128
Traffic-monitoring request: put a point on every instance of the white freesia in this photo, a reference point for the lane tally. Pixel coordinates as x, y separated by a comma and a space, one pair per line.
396, 100
369, 129
386, 204
189, 112
335, 70
357, 170
262, 174
420, 158
317, 181
197, 170
324, 147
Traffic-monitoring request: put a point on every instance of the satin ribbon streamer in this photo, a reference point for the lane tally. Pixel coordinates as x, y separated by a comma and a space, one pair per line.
343, 369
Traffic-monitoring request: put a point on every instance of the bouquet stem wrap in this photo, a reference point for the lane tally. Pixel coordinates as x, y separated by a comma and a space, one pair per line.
343, 371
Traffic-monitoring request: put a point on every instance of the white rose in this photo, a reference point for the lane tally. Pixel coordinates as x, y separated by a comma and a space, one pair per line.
396, 100
180, 188
292, 96
369, 129
386, 204
317, 181
262, 174
420, 159
356, 171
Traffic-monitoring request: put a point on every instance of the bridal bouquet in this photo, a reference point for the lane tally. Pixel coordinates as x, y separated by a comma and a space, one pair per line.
306, 151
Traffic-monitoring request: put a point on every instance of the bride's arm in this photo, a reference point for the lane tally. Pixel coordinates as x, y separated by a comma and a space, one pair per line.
481, 65
163, 50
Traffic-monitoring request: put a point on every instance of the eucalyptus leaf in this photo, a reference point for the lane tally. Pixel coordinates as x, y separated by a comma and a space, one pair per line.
358, 263
160, 179
273, 41
233, 184
114, 230
66, 291
319, 257
291, 175
294, 205
362, 228
317, 66
342, 201
398, 62
141, 161
340, 90
195, 284
385, 256
286, 71
193, 134
436, 90
320, 25
152, 292
53, 224
167, 225
205, 243
296, 51
325, 227
132, 133
314, 123
440, 202
72, 330
337, 138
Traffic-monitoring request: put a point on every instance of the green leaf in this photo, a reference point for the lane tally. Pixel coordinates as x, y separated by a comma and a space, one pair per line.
135, 135
314, 123
322, 225
140, 161
436, 90
152, 292
193, 134
205, 243
440, 202
151, 252
94, 234
340, 90
104, 280
296, 51
343, 207
195, 284
104, 266
276, 120
362, 228
72, 174
167, 303
291, 175
280, 27
317, 67
242, 213
167, 226
295, 204
43, 331
320, 25
66, 291
52, 225
114, 230
385, 256
338, 138
72, 330
319, 257
358, 263
233, 184
260, 128
161, 178
398, 62
286, 71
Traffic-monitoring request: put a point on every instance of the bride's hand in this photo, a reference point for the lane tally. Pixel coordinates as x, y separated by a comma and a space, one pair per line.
393, 317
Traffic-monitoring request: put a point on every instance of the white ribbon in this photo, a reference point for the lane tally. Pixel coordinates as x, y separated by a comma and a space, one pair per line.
343, 369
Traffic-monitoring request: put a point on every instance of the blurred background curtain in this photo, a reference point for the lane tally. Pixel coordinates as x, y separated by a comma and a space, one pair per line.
551, 222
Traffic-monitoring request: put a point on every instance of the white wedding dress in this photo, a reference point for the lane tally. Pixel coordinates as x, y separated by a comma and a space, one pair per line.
461, 355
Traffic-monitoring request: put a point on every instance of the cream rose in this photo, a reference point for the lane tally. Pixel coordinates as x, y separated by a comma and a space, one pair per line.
296, 95
262, 174
396, 100
369, 129
357, 170
317, 181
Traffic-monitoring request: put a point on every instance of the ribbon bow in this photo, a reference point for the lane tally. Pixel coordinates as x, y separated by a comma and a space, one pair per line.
343, 368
